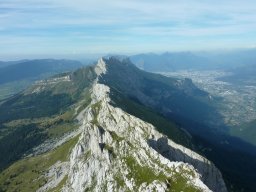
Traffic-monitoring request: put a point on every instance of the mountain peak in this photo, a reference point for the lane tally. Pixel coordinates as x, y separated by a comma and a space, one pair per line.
118, 57
100, 67
118, 60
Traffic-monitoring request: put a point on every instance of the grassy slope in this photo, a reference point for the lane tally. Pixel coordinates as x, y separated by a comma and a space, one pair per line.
26, 174
20, 136
28, 119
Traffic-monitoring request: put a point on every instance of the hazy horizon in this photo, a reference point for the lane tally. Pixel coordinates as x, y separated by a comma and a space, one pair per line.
91, 57
73, 28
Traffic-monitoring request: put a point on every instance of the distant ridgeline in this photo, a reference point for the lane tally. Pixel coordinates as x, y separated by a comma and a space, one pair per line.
237, 60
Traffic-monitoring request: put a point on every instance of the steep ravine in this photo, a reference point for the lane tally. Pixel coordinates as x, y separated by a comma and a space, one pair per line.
119, 152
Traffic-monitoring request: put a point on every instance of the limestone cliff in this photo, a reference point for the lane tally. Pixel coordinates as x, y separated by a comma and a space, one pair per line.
119, 152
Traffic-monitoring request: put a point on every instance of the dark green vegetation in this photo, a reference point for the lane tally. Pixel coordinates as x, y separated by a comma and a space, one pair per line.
161, 100
29, 118
26, 174
33, 106
16, 76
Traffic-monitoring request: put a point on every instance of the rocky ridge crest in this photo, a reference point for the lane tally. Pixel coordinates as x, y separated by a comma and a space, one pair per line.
119, 152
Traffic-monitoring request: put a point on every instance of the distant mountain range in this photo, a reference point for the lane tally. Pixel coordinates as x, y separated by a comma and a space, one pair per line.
244, 75
171, 61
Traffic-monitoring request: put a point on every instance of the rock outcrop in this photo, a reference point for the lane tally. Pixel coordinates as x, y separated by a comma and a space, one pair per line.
119, 152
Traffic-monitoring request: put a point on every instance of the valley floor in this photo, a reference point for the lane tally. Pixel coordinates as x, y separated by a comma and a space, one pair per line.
239, 100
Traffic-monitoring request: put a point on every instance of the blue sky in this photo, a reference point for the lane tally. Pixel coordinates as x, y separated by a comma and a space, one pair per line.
82, 27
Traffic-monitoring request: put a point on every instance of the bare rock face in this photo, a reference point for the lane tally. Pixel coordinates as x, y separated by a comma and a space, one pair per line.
119, 152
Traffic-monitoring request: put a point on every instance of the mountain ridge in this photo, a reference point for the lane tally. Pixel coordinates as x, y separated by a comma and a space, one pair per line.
38, 112
103, 133
113, 149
